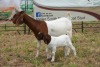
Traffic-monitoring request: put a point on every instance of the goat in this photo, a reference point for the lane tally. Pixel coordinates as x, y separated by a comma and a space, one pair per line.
13, 5
53, 42
55, 28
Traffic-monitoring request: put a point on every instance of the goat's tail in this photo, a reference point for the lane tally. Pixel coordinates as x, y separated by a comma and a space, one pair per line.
69, 15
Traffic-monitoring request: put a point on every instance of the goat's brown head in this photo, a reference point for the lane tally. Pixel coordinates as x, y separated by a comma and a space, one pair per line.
45, 37
18, 18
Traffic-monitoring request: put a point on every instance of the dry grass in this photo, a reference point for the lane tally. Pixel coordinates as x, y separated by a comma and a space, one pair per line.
19, 51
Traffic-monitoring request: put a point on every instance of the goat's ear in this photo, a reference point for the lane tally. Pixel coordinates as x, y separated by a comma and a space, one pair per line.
47, 38
20, 19
22, 12
14, 19
40, 36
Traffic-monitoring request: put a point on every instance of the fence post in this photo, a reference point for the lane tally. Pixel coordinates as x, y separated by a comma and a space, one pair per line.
29, 31
25, 11
82, 27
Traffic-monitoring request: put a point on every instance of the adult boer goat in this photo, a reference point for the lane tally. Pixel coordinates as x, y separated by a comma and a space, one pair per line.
13, 5
54, 28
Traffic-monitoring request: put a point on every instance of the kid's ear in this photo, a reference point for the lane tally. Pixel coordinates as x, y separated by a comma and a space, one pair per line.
46, 38
40, 36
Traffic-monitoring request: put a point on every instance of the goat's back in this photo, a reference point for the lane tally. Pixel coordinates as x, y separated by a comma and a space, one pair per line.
59, 26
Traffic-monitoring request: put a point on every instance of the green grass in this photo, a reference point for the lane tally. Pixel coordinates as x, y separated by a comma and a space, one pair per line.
19, 51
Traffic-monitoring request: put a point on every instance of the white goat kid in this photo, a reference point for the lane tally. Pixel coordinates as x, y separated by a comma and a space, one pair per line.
53, 42
13, 5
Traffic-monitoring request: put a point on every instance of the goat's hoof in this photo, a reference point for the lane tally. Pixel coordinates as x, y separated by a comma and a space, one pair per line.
49, 58
52, 60
36, 56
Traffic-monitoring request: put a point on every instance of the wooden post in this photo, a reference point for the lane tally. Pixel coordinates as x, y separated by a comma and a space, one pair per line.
25, 11
82, 27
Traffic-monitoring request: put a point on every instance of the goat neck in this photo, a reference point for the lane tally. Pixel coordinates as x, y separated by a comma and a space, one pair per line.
35, 25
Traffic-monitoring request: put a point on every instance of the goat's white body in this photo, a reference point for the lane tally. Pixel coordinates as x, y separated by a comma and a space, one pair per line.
59, 27
6, 4
63, 40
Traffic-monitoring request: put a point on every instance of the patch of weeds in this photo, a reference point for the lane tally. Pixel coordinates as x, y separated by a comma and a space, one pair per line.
26, 51
72, 65
92, 39
18, 55
59, 64
98, 44
7, 58
74, 39
97, 57
84, 52
8, 49
60, 52
89, 65
35, 62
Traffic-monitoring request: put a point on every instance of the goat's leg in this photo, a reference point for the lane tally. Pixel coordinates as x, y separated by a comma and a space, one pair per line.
38, 48
47, 53
53, 54
66, 50
73, 49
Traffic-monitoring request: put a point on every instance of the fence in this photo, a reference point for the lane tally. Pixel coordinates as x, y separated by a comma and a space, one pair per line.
86, 26
77, 27
10, 27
